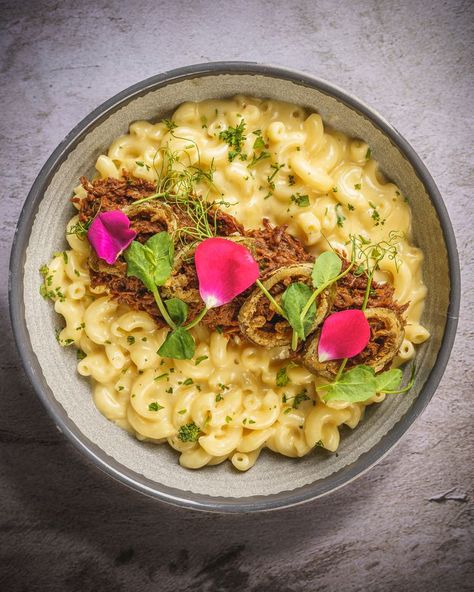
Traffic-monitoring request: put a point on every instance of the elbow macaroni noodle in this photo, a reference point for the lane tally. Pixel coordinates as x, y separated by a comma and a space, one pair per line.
232, 394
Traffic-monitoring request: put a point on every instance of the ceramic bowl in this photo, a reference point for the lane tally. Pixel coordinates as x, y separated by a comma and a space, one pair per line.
275, 481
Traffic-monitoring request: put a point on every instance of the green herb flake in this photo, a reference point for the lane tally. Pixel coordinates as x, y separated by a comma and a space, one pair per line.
164, 375
302, 201
368, 154
358, 186
189, 432
282, 378
228, 418
200, 359
339, 217
256, 159
234, 137
188, 381
299, 398
182, 411
80, 355
130, 340
219, 397
155, 406
291, 180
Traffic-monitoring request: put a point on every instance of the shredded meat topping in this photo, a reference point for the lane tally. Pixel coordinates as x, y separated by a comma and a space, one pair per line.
351, 289
272, 247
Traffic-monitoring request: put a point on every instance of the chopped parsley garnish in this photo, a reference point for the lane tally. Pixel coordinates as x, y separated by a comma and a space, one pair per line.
368, 154
301, 201
189, 432
282, 378
155, 406
234, 137
375, 215
252, 421
340, 218
188, 381
182, 411
255, 159
130, 340
259, 143
170, 124
276, 167
80, 355
334, 189
161, 376
219, 397
200, 359
223, 387
299, 398
228, 418
291, 180
357, 186
350, 207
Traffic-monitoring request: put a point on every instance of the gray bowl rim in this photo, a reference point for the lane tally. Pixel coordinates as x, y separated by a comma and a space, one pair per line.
93, 452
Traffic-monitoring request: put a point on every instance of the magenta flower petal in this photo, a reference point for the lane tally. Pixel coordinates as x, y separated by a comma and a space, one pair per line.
224, 269
344, 335
110, 234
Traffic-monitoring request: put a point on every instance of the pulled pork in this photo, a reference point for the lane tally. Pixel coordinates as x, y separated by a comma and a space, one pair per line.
351, 289
272, 247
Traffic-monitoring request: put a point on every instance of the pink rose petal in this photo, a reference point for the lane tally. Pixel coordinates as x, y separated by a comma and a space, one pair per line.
224, 269
110, 234
344, 335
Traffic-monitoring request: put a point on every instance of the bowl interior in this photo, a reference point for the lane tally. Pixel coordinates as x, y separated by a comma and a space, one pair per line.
70, 394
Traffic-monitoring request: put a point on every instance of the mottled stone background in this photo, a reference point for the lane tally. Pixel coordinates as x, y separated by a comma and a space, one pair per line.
66, 527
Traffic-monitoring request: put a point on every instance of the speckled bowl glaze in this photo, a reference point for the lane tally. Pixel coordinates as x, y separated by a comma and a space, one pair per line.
275, 481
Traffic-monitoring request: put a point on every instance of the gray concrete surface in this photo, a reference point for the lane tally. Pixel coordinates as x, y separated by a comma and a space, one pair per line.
66, 527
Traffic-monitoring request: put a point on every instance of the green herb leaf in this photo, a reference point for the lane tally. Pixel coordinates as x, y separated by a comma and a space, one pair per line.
282, 378
301, 201
179, 345
155, 406
178, 310
293, 301
234, 136
200, 359
189, 432
152, 262
162, 248
259, 143
355, 385
339, 217
388, 381
299, 398
326, 268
